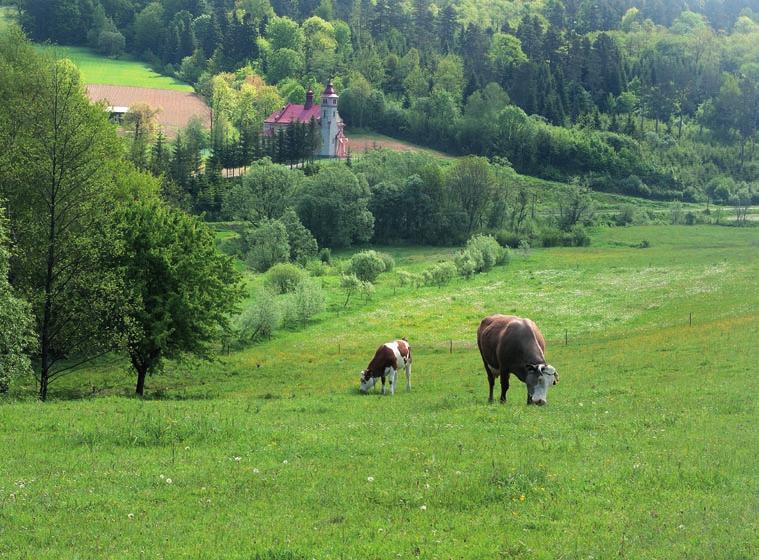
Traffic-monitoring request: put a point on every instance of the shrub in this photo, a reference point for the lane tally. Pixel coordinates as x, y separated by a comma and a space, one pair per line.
579, 237
466, 263
408, 279
576, 237
491, 251
284, 278
316, 268
440, 274
388, 260
259, 320
366, 265
267, 245
306, 301
350, 284
626, 215
524, 248
325, 255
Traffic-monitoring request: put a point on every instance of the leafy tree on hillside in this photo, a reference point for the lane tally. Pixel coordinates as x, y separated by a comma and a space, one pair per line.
180, 290
57, 181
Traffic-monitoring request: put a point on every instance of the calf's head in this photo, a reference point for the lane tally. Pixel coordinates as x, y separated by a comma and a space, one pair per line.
366, 381
539, 378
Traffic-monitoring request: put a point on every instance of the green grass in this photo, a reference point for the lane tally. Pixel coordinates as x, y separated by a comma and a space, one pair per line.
98, 69
7, 16
648, 448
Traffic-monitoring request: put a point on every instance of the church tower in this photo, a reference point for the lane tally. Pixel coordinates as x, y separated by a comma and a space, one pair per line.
329, 122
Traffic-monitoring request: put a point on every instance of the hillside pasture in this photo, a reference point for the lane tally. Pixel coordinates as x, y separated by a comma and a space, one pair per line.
98, 69
647, 448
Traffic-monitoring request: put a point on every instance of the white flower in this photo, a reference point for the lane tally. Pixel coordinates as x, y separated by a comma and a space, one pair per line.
256, 471
187, 448
458, 472
161, 476
580, 404
284, 462
423, 508
427, 486
238, 458
168, 481
370, 478
130, 516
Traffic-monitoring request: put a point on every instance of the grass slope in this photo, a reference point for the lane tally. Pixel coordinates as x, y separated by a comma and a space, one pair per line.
648, 448
98, 69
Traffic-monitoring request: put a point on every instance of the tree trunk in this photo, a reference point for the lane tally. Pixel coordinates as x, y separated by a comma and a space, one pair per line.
141, 374
47, 316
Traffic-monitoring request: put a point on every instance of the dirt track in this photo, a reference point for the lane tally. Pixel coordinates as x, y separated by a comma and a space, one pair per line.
176, 107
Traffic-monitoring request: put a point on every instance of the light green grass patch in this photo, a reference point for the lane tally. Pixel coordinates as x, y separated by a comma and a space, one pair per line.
98, 69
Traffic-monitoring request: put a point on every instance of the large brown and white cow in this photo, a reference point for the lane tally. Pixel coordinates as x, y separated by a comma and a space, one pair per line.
388, 359
515, 345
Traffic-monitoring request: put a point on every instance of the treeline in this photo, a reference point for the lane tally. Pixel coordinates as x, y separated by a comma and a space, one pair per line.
622, 88
92, 259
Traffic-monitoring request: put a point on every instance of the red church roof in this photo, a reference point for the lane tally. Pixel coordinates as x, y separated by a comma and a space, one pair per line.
293, 112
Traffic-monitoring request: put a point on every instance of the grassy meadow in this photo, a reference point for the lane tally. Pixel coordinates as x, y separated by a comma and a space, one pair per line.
98, 69
648, 448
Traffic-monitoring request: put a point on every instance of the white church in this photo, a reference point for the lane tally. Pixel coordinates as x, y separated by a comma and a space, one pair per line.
334, 143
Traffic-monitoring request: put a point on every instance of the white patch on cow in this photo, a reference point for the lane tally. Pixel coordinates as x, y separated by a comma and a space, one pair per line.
366, 385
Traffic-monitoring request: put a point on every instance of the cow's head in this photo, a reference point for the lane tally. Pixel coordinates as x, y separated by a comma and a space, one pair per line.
366, 381
539, 378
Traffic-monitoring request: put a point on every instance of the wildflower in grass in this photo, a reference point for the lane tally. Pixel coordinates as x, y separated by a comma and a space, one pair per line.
169, 481
423, 508
186, 447
238, 459
130, 515
161, 476
522, 498
370, 478
284, 462
256, 471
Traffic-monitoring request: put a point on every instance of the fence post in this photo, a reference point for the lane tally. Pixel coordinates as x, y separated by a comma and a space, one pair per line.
690, 319
566, 337
450, 349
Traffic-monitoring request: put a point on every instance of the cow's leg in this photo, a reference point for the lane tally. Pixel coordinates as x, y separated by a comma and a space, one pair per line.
491, 380
504, 386
408, 376
383, 385
393, 374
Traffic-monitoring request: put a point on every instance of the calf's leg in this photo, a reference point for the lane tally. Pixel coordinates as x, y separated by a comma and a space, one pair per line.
393, 374
408, 377
383, 385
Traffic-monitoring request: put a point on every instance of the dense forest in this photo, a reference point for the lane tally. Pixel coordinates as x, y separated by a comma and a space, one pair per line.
644, 97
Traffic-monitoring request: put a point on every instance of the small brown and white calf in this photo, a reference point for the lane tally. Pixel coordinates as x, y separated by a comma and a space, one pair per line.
389, 358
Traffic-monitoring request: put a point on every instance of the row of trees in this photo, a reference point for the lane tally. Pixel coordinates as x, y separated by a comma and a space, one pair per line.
98, 262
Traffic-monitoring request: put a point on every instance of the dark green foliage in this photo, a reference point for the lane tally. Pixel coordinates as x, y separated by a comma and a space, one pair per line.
179, 289
267, 245
333, 205
15, 322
